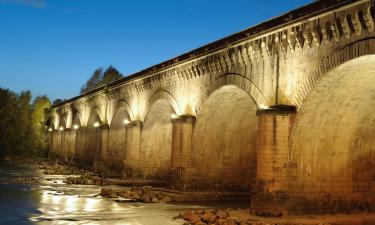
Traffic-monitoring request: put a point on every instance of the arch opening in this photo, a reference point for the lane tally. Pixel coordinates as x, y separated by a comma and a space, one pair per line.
333, 138
156, 140
115, 153
224, 139
78, 137
92, 145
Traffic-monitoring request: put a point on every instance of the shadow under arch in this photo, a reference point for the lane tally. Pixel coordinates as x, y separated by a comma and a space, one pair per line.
51, 121
63, 121
95, 116
241, 82
76, 119
123, 105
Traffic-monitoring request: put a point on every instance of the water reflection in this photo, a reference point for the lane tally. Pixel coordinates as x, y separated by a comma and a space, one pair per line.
58, 203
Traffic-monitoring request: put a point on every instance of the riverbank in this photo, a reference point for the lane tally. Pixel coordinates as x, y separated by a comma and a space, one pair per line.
243, 217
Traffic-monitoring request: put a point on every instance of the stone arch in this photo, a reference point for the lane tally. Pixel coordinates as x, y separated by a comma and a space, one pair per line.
97, 114
76, 119
241, 82
156, 140
333, 138
92, 143
63, 121
77, 136
115, 153
163, 95
122, 104
224, 140
356, 49
50, 122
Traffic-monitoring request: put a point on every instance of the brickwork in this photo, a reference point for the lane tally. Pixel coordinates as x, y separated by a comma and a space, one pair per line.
275, 125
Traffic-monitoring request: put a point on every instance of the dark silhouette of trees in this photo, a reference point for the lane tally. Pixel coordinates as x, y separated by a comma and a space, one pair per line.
22, 123
99, 78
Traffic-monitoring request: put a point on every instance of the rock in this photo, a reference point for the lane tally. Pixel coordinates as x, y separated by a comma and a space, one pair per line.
222, 214
146, 199
165, 199
155, 200
146, 188
135, 196
187, 215
209, 217
230, 221
113, 195
219, 221
124, 194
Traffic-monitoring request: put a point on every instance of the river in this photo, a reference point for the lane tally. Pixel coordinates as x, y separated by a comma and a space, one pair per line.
54, 202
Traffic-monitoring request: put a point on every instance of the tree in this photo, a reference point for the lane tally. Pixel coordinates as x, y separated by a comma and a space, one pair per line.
21, 124
57, 101
38, 121
99, 78
8, 109
110, 74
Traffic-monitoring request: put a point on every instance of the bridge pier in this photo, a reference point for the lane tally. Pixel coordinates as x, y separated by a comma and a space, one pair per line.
182, 132
133, 137
274, 126
101, 150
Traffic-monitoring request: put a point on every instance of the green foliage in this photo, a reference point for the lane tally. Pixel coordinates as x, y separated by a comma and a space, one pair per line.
22, 124
38, 121
100, 78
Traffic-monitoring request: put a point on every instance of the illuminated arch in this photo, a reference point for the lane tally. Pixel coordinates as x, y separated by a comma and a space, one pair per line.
95, 112
332, 141
160, 95
122, 104
76, 119
367, 46
241, 82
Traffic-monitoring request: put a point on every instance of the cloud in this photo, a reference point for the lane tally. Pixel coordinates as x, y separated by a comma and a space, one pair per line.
29, 3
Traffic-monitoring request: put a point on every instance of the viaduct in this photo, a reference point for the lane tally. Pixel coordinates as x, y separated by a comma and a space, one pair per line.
287, 106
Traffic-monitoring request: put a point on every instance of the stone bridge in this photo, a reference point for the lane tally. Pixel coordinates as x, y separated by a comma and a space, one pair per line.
287, 106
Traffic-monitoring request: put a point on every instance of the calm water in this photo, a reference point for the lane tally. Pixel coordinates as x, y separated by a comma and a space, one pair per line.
57, 203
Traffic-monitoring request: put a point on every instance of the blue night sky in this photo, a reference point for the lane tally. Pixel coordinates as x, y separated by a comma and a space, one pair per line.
52, 46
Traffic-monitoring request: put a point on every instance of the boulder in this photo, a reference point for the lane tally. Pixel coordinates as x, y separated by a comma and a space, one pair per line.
105, 192
155, 200
209, 217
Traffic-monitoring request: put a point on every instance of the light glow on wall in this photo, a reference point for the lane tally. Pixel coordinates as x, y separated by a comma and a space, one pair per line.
96, 124
261, 106
75, 127
126, 121
61, 128
174, 116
